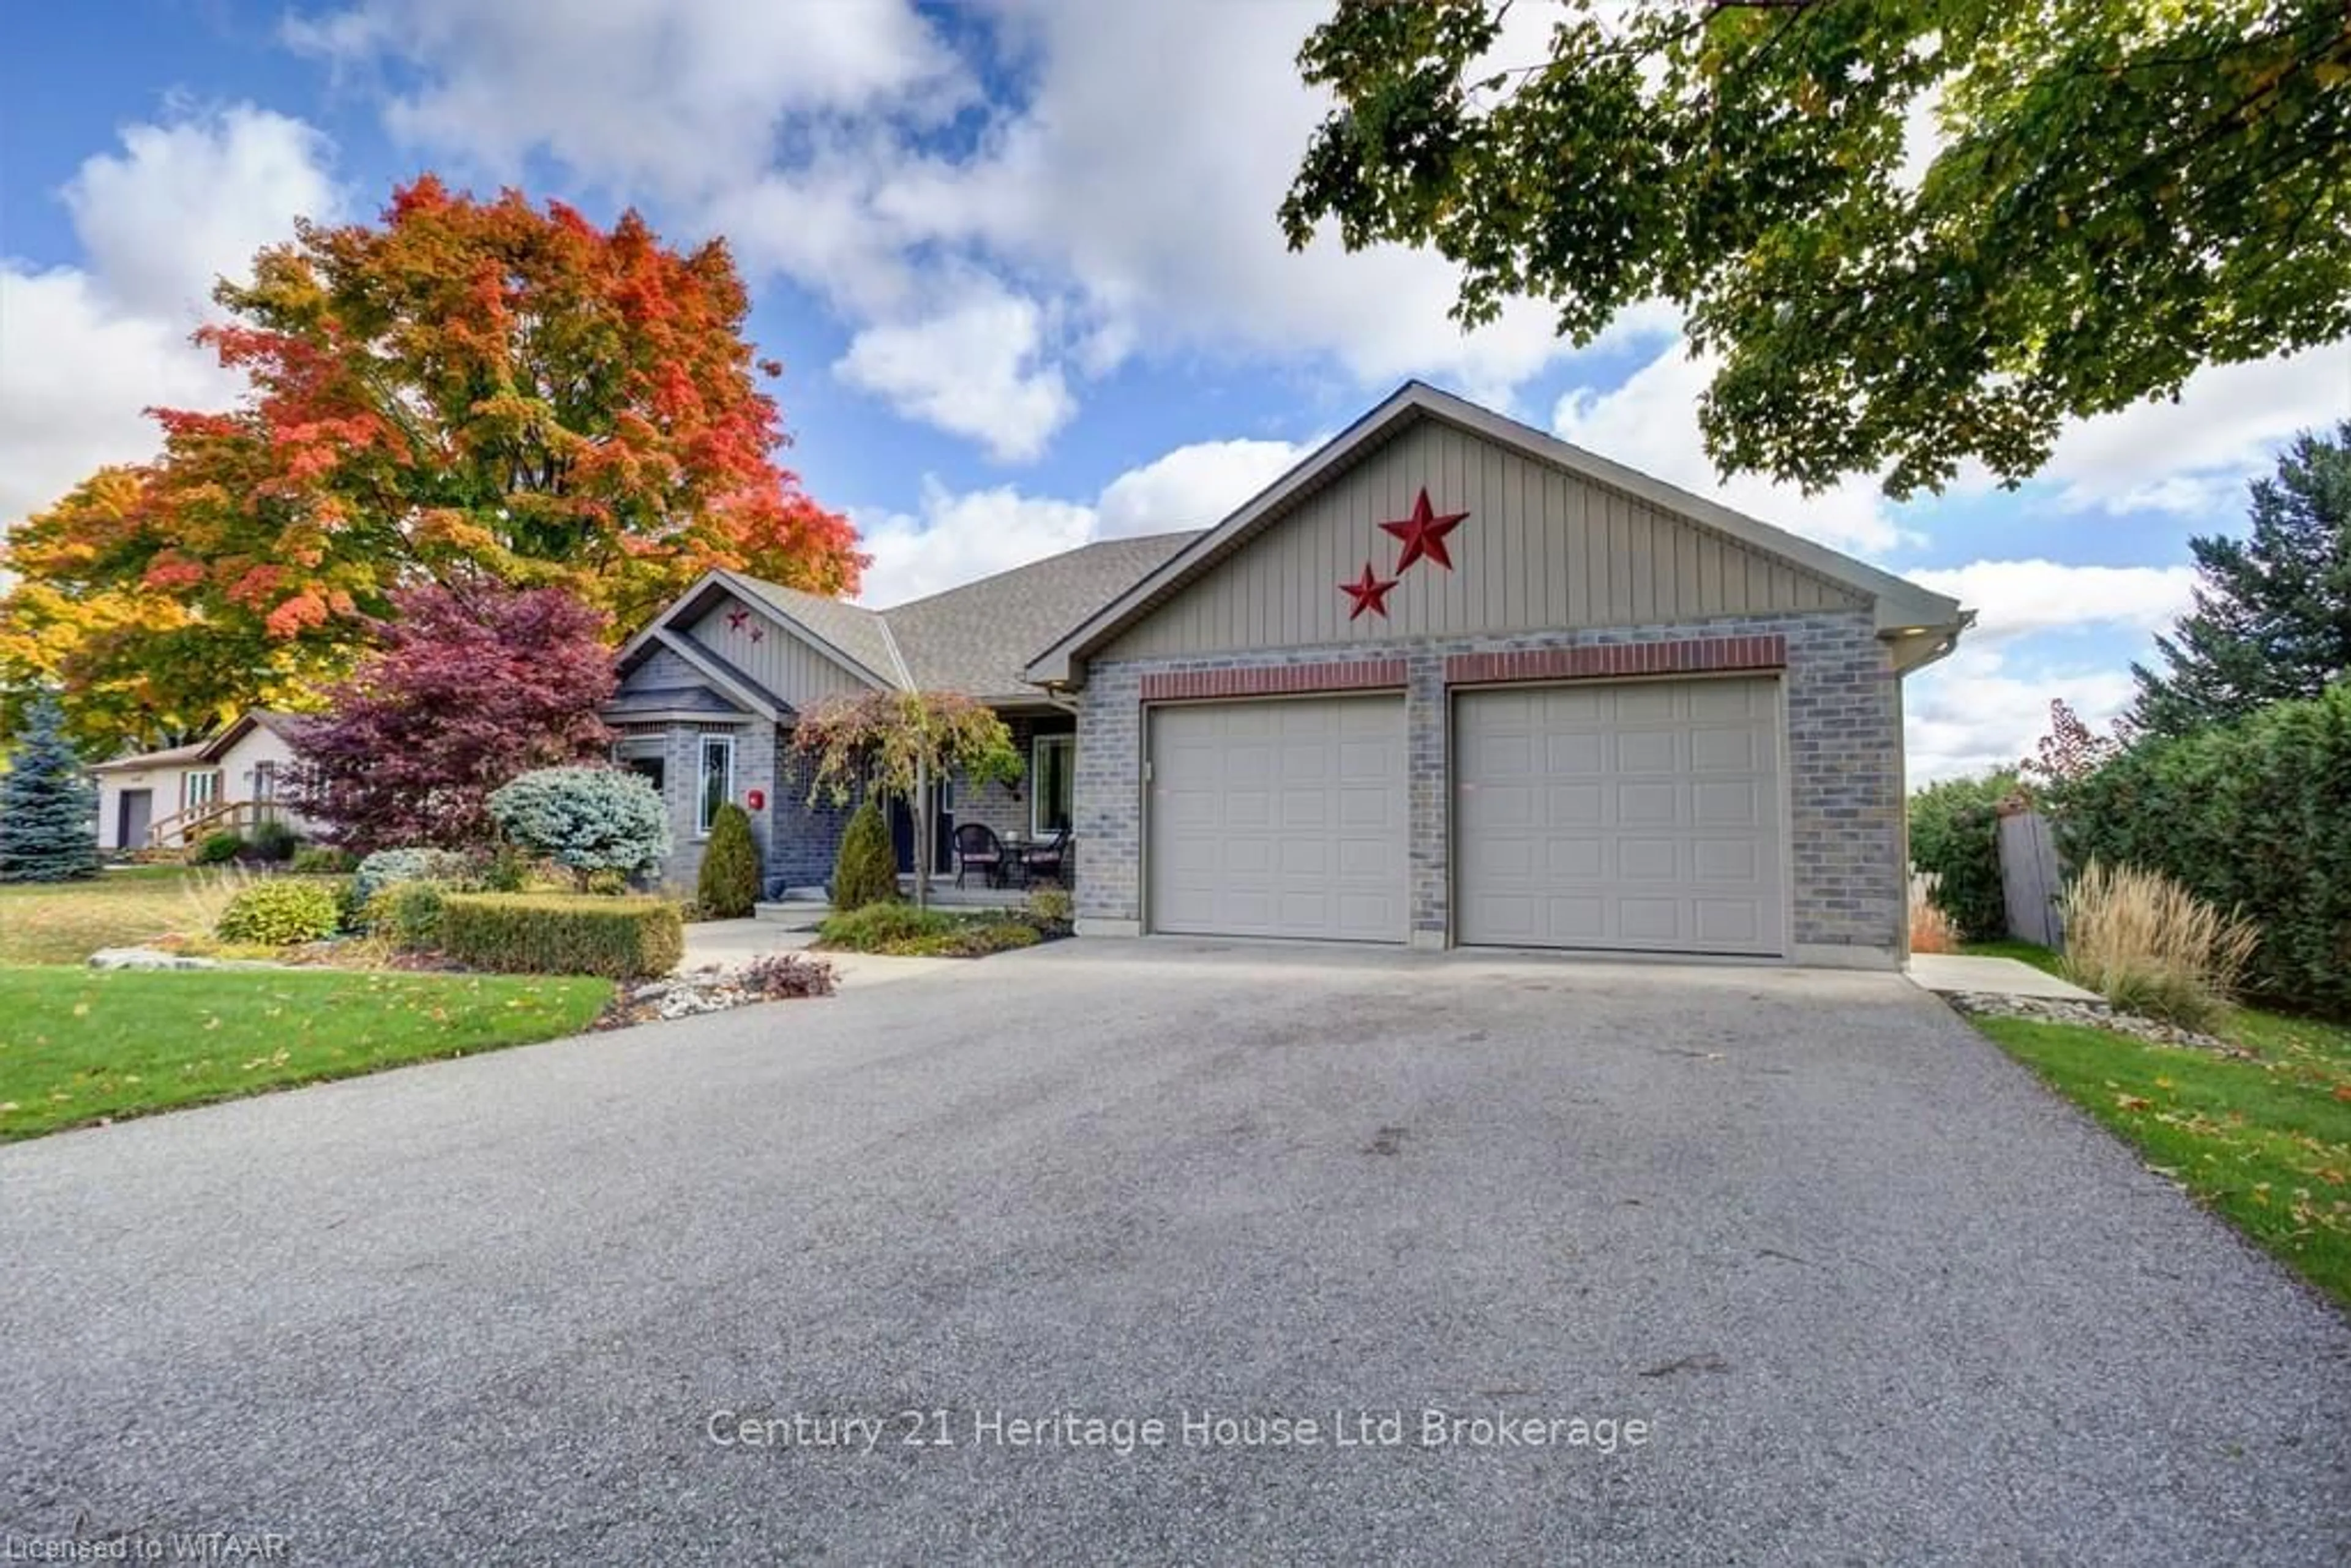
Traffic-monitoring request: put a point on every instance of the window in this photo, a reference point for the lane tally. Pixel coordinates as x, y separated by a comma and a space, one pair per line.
648, 767
717, 779
264, 780
199, 789
1052, 775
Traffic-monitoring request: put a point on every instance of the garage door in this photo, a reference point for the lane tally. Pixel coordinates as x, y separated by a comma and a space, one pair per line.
1642, 817
1279, 819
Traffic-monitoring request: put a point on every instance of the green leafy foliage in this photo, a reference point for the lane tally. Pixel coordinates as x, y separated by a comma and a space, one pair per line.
904, 930
878, 927
562, 933
280, 912
409, 914
217, 848
386, 868
585, 818
321, 860
1955, 838
2247, 816
48, 809
1053, 911
273, 843
728, 886
865, 872
2272, 616
2121, 195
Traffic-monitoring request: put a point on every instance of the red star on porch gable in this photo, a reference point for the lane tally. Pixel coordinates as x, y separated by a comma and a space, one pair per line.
1424, 532
734, 619
1369, 592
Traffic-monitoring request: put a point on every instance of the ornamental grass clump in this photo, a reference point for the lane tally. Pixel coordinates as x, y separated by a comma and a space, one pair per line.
2148, 945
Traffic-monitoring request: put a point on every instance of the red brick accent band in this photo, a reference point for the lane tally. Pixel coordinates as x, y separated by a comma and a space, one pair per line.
1273, 681
1692, 656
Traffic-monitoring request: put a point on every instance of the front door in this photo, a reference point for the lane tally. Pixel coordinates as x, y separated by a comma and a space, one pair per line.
133, 818
901, 830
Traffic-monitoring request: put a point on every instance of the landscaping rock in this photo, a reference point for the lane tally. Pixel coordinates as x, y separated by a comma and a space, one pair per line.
713, 990
148, 959
2095, 1015
156, 959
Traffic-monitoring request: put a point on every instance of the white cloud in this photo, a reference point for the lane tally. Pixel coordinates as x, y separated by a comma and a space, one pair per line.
1650, 422
2192, 456
979, 368
1130, 194
1193, 486
671, 98
84, 351
954, 537
2017, 597
1986, 706
186, 203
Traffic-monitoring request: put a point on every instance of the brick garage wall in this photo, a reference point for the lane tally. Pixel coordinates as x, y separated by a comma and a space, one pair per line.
1844, 762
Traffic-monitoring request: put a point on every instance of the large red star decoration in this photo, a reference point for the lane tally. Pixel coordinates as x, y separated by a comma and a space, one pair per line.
1424, 532
734, 619
1369, 592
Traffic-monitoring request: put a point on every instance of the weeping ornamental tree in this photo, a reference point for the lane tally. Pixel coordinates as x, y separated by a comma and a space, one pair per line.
897, 745
48, 809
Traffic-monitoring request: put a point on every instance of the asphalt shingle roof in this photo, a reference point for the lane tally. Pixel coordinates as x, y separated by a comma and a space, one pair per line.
852, 628
978, 638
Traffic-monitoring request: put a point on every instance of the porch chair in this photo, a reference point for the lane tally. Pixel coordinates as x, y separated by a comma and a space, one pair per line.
1049, 859
977, 848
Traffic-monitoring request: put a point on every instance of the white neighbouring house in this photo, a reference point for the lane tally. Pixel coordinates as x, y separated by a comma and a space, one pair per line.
170, 800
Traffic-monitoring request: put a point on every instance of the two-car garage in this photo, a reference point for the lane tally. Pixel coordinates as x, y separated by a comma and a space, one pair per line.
1611, 816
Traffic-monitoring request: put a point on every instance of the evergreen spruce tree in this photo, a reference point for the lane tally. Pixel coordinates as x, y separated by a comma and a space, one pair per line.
2272, 616
49, 807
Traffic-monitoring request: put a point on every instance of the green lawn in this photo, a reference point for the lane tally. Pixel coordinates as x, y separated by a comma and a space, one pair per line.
65, 922
80, 1045
2266, 1142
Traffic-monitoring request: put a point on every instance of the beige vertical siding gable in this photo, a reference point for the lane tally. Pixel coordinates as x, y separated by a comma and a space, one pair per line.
1541, 548
781, 659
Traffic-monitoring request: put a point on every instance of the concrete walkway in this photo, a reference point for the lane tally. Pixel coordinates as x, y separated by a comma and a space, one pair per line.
724, 943
1944, 973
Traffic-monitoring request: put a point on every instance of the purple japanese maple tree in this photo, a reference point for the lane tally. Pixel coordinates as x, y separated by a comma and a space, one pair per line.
473, 686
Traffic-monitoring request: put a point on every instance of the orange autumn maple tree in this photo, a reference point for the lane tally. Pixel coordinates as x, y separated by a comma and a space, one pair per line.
464, 388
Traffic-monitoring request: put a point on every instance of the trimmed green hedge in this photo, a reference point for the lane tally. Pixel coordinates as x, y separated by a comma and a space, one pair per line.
2254, 815
1955, 834
562, 933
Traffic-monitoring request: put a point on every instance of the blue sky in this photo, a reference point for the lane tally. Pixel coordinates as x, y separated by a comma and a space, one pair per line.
1021, 264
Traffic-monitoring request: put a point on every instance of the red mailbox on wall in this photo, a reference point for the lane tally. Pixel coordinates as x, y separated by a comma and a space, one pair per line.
757, 800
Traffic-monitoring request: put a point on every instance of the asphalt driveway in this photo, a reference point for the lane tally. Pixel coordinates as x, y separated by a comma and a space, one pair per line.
1869, 1294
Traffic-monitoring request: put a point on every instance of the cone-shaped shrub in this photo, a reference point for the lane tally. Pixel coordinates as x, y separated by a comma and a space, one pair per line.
867, 869
729, 884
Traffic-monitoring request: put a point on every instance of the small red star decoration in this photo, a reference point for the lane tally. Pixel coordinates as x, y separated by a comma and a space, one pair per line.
1424, 533
758, 633
1369, 592
734, 619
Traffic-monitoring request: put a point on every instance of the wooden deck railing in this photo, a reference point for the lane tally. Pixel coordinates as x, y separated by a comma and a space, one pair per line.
182, 828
